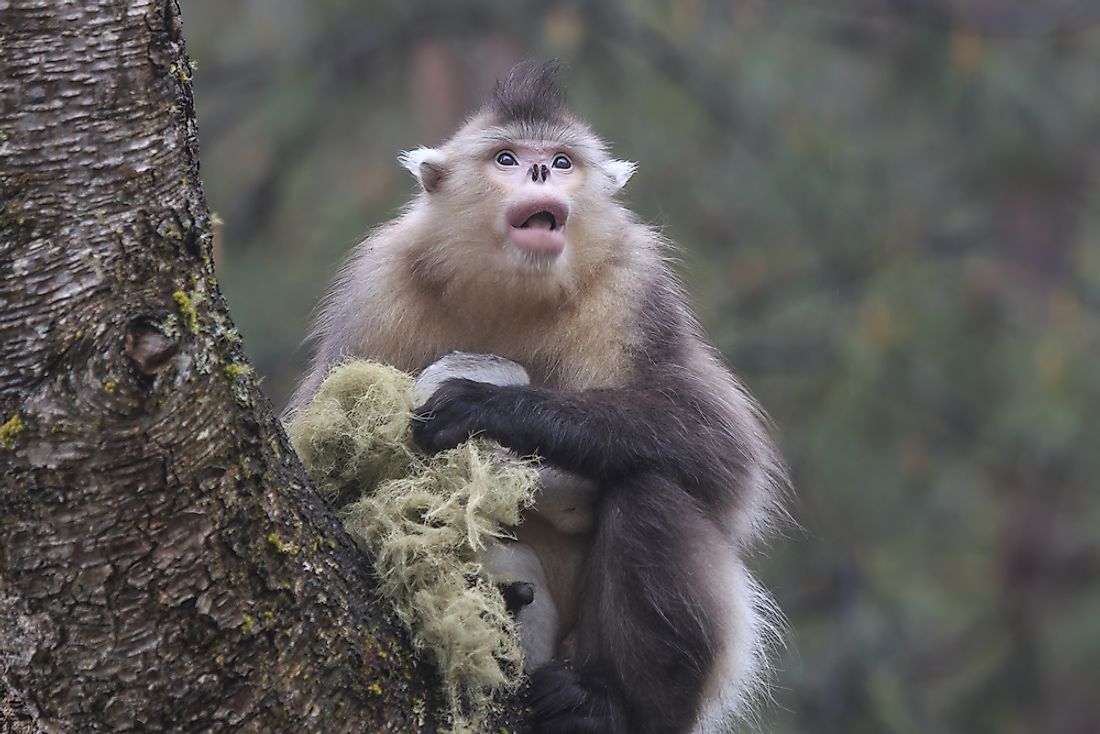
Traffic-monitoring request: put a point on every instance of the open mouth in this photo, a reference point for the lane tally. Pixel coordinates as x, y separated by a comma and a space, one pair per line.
537, 227
540, 220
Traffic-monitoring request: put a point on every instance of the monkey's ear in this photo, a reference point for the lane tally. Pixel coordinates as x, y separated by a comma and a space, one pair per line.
426, 165
621, 171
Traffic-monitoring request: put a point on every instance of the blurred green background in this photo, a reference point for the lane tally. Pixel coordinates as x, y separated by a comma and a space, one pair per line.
889, 215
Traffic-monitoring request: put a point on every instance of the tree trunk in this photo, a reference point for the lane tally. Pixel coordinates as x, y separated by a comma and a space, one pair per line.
164, 561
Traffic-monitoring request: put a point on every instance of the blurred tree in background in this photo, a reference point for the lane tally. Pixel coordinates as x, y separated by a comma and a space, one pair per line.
889, 217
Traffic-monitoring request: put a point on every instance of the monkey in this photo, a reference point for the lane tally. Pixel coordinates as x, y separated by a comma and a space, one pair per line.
564, 508
517, 245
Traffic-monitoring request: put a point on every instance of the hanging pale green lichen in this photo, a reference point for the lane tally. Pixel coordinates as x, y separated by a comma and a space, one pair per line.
355, 432
424, 521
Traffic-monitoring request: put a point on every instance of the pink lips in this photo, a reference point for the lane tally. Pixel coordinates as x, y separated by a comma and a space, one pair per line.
536, 227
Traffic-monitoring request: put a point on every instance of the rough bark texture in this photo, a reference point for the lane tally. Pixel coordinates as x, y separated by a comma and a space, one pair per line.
164, 563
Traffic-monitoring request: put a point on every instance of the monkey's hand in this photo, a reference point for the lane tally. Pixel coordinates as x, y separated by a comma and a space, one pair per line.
454, 413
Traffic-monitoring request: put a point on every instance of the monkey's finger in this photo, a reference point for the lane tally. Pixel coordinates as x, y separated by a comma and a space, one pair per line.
439, 437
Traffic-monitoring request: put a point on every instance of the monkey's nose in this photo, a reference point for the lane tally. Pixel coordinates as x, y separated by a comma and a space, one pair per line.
539, 173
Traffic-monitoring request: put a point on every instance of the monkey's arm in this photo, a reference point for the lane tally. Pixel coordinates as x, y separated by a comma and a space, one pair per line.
601, 434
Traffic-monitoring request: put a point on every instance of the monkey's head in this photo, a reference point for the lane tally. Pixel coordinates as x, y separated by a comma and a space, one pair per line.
521, 198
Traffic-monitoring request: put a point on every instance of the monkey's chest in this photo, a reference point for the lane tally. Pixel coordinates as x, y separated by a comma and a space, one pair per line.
570, 349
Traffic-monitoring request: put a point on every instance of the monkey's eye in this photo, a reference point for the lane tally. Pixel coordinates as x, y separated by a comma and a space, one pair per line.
562, 162
507, 158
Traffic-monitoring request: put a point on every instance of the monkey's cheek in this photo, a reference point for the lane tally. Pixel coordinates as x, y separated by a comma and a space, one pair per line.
540, 244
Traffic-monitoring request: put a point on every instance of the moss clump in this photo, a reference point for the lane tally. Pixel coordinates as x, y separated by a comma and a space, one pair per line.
234, 370
10, 430
238, 375
187, 311
424, 521
289, 549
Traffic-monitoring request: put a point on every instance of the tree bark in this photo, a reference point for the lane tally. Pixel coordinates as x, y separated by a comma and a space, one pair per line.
164, 561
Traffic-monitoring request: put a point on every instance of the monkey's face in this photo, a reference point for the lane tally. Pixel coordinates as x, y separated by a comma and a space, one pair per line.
527, 209
537, 181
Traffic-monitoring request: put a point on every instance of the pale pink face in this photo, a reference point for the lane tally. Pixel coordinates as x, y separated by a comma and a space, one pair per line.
531, 204
538, 183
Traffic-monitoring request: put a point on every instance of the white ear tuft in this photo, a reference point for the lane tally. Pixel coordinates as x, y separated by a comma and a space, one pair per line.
416, 159
621, 171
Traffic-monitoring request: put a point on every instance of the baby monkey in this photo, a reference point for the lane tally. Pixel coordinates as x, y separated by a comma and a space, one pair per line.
517, 246
539, 596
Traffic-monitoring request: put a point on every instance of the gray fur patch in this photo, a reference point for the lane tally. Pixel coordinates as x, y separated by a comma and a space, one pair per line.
468, 365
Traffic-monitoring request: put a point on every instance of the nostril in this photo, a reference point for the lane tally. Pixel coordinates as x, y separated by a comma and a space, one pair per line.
545, 173
535, 173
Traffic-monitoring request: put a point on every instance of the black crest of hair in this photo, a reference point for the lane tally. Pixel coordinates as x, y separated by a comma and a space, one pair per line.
530, 93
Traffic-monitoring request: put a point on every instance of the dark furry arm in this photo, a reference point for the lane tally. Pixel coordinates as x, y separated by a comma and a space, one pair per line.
599, 434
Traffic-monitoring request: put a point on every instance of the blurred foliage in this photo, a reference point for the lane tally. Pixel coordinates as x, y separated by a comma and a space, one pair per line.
889, 215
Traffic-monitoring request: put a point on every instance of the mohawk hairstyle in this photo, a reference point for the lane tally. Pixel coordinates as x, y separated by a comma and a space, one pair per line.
530, 94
